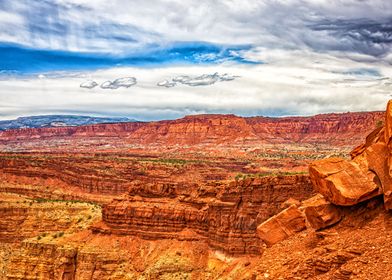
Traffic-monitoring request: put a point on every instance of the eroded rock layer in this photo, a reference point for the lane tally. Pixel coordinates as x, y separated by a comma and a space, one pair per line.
226, 216
341, 129
22, 217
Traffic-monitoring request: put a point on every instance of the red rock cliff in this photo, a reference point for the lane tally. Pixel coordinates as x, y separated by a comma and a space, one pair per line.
338, 128
226, 216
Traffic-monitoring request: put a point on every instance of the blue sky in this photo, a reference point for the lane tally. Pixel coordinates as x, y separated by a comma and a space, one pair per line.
275, 57
32, 60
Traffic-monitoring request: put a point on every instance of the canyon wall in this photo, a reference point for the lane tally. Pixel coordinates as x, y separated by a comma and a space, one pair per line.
217, 129
224, 215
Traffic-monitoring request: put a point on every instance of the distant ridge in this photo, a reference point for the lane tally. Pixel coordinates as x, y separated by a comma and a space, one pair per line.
58, 121
340, 129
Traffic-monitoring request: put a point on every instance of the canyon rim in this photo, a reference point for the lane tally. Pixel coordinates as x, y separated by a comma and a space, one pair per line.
211, 140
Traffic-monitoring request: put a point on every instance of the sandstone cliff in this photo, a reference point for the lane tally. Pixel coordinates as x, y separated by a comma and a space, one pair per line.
340, 129
225, 216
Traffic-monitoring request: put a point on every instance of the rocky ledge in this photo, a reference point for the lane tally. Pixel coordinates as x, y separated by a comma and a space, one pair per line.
341, 184
224, 215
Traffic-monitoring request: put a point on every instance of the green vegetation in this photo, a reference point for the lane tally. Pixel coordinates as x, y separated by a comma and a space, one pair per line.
67, 202
39, 237
58, 234
171, 161
308, 156
241, 176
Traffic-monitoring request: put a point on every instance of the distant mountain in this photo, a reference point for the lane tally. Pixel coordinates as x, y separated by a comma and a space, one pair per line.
58, 120
344, 129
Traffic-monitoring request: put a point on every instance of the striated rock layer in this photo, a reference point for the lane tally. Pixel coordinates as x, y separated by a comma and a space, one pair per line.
101, 177
22, 217
225, 216
341, 129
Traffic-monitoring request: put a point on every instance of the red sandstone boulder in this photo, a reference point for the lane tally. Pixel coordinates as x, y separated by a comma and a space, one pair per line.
375, 158
388, 123
375, 136
281, 226
320, 213
289, 202
368, 174
343, 182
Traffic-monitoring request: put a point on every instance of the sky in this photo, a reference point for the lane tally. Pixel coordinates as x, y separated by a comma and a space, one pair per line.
164, 59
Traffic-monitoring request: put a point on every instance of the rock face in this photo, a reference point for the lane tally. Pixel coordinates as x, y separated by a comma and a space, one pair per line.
368, 174
341, 129
281, 226
44, 262
28, 218
320, 213
225, 216
343, 182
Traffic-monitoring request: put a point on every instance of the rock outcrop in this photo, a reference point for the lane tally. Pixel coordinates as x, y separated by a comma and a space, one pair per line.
321, 213
316, 212
368, 174
281, 226
224, 216
343, 182
340, 183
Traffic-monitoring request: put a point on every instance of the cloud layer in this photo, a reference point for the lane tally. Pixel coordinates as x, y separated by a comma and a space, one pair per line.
291, 83
109, 27
294, 57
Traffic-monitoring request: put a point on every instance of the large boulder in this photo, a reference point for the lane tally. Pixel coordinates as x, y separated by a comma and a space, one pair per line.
281, 226
343, 182
320, 213
374, 157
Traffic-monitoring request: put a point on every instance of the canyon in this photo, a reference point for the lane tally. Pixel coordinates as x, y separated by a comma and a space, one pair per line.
339, 129
185, 199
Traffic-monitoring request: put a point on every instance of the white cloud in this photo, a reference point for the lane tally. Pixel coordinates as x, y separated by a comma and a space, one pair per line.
88, 84
202, 80
312, 51
120, 26
289, 84
119, 83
